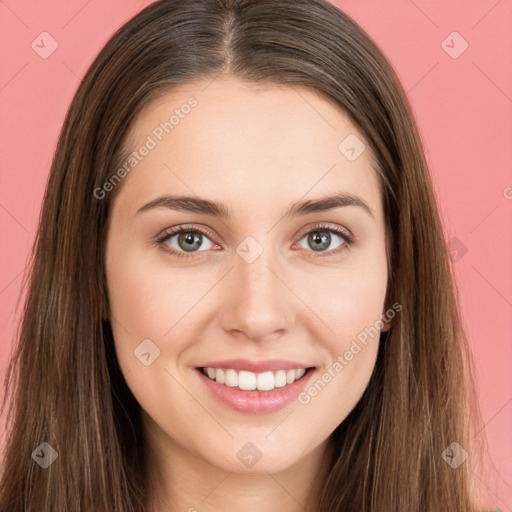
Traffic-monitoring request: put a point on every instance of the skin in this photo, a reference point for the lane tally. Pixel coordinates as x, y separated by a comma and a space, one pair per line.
258, 149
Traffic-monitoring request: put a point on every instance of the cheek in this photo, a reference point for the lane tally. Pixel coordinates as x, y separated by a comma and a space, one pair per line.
145, 303
351, 309
137, 301
350, 303
150, 300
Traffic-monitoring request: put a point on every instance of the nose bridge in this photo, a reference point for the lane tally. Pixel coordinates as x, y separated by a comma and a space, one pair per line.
256, 302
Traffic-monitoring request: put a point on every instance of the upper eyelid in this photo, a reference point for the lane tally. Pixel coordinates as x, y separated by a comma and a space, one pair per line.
326, 226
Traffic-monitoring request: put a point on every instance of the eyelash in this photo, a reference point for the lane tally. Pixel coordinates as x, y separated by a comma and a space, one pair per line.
348, 239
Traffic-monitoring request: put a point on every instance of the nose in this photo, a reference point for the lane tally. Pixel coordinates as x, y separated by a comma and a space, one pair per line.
256, 301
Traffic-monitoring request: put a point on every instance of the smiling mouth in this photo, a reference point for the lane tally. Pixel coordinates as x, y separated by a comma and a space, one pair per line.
251, 381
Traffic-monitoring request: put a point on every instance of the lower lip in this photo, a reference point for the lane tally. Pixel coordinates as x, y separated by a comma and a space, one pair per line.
256, 402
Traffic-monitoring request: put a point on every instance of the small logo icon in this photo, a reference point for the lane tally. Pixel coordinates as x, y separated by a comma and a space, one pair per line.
457, 249
44, 45
249, 454
45, 455
249, 249
454, 45
454, 455
351, 147
146, 352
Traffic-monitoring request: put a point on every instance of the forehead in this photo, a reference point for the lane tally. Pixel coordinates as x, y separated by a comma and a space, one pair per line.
232, 139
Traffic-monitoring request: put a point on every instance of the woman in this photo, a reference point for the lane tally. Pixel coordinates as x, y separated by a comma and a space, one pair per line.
310, 356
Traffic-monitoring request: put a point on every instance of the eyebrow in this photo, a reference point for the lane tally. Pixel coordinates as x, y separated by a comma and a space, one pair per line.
196, 204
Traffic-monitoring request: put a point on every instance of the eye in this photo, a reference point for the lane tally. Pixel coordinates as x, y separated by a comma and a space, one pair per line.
182, 240
320, 238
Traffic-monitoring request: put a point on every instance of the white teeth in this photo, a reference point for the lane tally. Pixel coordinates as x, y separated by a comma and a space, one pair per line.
220, 376
265, 381
290, 376
231, 378
280, 379
246, 381
249, 381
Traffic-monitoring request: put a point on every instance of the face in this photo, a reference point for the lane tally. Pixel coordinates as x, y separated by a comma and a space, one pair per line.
252, 291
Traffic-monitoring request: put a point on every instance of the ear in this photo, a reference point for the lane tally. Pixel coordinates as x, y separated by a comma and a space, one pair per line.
387, 317
386, 320
387, 325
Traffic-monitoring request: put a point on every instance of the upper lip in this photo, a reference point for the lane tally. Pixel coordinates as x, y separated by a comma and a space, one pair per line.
256, 366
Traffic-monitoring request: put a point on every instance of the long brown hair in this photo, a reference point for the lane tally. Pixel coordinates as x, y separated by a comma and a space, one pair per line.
66, 386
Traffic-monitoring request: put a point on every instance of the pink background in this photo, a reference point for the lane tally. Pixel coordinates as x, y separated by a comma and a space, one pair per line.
464, 108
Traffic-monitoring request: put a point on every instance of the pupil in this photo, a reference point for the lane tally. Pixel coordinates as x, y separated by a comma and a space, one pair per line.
322, 239
188, 238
